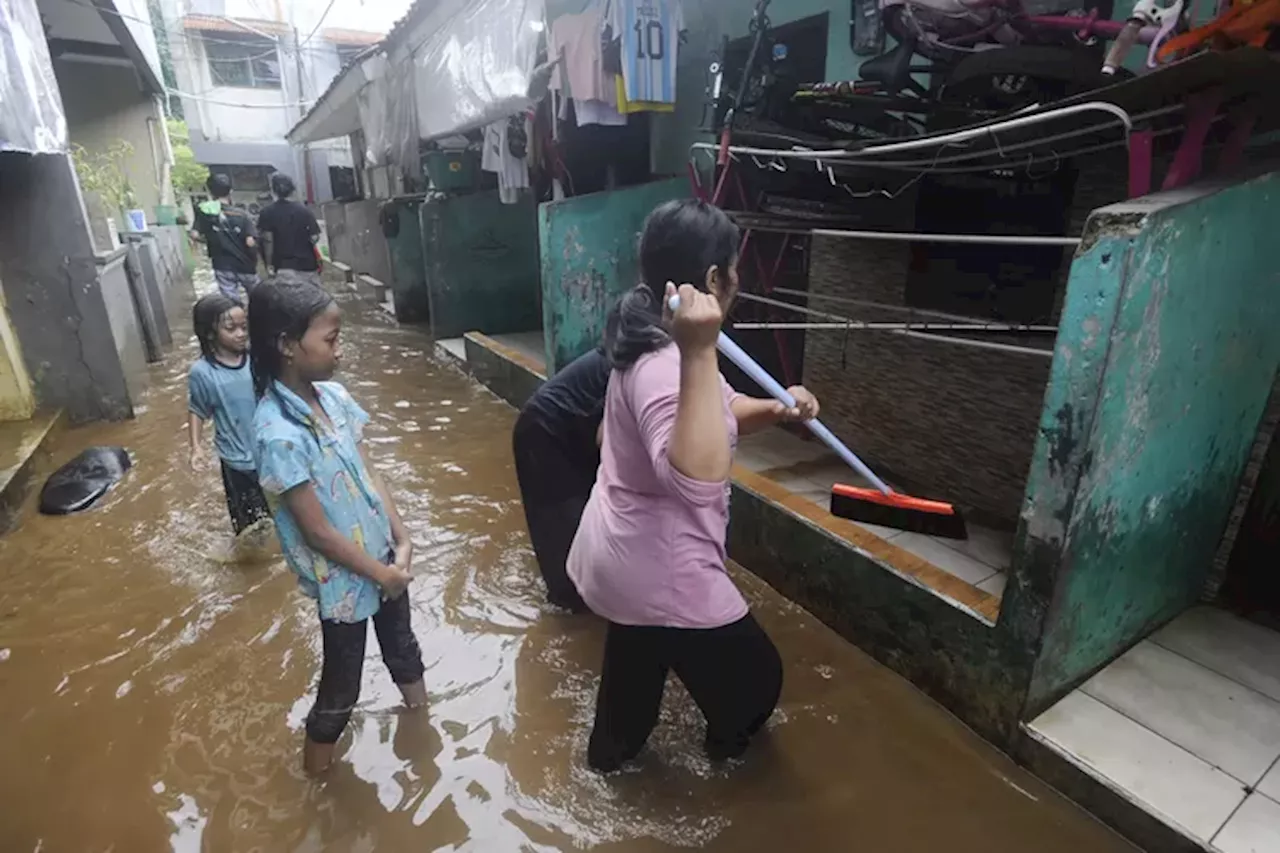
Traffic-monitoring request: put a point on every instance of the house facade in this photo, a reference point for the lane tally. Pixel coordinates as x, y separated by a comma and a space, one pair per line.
244, 79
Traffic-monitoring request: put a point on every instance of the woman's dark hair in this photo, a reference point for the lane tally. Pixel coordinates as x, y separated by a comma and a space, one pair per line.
218, 185
282, 185
681, 241
206, 315
279, 312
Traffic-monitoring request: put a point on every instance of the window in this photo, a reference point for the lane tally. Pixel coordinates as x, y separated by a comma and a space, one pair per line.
348, 52
243, 61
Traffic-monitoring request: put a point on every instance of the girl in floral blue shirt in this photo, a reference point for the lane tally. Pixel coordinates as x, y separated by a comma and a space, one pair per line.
337, 524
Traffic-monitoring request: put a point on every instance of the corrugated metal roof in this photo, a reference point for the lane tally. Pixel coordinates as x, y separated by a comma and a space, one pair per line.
401, 29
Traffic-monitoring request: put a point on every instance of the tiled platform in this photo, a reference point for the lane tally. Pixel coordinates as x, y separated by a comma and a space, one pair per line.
1187, 726
529, 344
809, 469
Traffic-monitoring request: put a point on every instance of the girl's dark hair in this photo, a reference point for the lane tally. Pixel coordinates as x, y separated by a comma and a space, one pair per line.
205, 317
279, 312
681, 241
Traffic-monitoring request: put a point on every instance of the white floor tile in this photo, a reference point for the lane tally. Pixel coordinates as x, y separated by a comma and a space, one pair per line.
995, 584
948, 559
1227, 644
1254, 828
457, 347
993, 547
1270, 784
885, 533
1214, 718
1165, 779
818, 496
751, 459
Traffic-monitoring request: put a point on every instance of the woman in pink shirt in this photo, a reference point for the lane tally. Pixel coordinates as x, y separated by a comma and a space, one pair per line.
649, 555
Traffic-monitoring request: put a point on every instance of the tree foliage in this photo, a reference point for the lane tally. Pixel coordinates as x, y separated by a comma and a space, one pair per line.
189, 176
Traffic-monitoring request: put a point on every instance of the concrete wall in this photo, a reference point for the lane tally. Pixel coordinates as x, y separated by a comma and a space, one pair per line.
589, 253
481, 265
122, 316
104, 106
356, 238
955, 422
17, 402
50, 279
1164, 363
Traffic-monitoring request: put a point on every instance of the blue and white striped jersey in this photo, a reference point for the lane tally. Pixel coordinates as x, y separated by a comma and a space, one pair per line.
650, 34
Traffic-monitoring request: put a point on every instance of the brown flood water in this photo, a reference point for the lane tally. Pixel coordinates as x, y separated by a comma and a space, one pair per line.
154, 693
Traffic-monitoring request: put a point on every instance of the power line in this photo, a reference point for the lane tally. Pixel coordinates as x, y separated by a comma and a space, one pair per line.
281, 106
319, 23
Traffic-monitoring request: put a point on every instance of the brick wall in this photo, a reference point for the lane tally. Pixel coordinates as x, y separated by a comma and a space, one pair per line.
949, 421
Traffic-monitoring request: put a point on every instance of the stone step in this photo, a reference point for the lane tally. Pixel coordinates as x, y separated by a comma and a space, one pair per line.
22, 443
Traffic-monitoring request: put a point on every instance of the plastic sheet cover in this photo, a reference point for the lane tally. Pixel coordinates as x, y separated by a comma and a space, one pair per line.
373, 102
31, 117
476, 65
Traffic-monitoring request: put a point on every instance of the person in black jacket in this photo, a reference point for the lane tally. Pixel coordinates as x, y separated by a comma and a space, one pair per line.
557, 451
291, 232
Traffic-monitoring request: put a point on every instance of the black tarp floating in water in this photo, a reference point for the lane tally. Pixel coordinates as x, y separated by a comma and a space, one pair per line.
77, 485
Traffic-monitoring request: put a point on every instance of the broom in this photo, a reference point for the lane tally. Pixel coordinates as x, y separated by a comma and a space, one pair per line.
880, 505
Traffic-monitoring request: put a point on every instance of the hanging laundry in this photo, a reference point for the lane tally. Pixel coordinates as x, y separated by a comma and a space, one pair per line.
598, 112
649, 36
506, 153
627, 107
576, 39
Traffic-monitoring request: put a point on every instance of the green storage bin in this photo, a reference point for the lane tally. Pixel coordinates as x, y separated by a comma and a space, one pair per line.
166, 214
451, 170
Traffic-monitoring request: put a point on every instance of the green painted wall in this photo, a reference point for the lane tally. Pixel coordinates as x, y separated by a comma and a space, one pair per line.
481, 261
408, 264
1164, 362
589, 258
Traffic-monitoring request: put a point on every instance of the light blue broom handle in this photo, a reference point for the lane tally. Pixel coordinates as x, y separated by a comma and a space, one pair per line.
748, 365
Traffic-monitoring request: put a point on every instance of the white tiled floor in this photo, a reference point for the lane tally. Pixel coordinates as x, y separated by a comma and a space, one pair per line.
808, 469
1187, 724
528, 343
456, 347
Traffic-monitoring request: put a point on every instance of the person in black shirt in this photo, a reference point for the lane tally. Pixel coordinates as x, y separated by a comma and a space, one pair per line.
291, 233
557, 450
228, 233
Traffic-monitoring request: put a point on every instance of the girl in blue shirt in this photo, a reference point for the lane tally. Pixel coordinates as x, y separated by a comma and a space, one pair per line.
220, 389
337, 523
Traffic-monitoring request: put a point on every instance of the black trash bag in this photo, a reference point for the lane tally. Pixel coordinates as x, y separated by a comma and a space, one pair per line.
77, 485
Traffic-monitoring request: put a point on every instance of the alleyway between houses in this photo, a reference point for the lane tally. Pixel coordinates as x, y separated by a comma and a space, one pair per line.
154, 690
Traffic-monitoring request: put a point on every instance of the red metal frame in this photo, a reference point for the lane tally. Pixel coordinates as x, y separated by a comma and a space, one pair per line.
724, 163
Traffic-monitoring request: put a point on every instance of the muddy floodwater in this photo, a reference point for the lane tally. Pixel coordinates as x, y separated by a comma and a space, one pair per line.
152, 689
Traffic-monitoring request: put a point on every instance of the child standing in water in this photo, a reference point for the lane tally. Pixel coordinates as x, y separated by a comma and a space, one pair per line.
220, 389
649, 555
337, 523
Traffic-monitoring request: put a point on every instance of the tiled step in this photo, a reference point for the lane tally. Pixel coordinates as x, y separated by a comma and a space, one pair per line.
20, 447
1184, 728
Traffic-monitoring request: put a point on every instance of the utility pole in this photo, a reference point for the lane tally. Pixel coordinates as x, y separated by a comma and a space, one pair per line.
306, 152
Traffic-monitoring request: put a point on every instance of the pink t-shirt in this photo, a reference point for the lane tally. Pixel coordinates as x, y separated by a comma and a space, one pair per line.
650, 547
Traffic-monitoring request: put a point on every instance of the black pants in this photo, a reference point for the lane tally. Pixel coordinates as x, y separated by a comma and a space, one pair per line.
733, 673
245, 500
344, 645
554, 489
